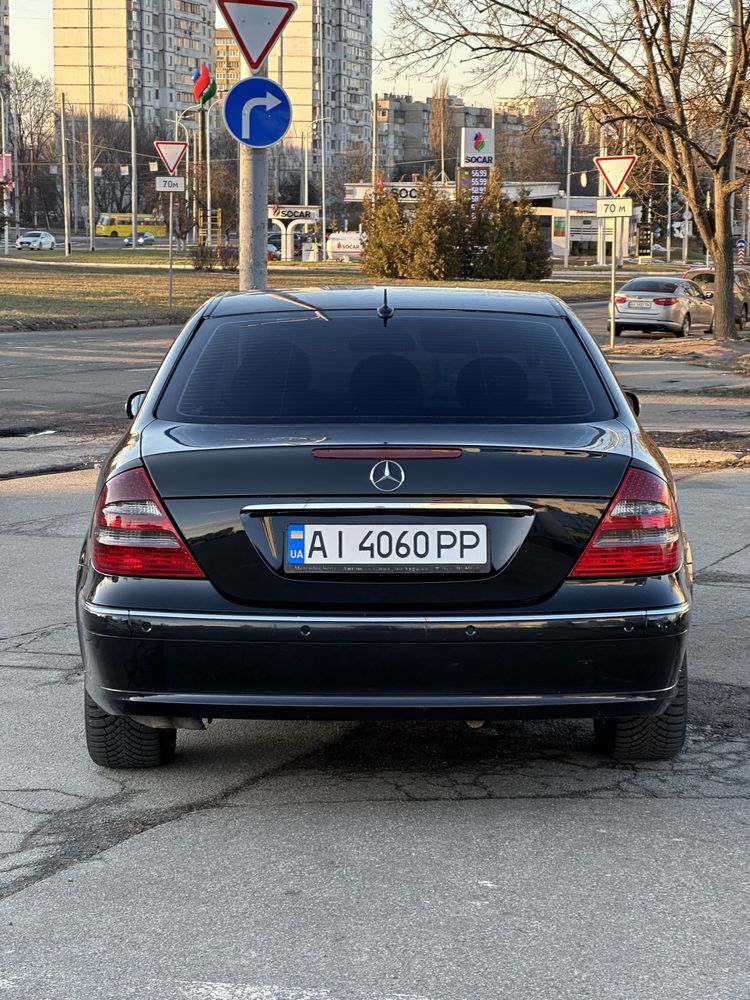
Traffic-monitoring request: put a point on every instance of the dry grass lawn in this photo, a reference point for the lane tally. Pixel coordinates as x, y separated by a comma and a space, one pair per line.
54, 294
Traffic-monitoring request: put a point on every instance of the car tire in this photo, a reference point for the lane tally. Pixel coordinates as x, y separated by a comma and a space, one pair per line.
684, 330
742, 321
618, 330
654, 737
114, 235
117, 741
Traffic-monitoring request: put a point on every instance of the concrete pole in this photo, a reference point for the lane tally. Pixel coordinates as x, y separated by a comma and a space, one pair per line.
133, 181
306, 170
322, 133
6, 193
76, 207
566, 262
90, 123
253, 273
66, 197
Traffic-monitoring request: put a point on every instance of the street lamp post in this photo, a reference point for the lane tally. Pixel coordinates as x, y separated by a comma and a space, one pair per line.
6, 198
321, 85
90, 124
209, 202
133, 180
66, 194
566, 260
317, 127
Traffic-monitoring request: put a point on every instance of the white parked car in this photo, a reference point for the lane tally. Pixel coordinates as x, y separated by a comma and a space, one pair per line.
36, 239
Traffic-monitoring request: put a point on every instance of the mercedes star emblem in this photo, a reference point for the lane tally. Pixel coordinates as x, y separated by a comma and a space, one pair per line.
387, 476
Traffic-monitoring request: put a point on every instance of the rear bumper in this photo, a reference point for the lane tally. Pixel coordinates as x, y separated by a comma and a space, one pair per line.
188, 665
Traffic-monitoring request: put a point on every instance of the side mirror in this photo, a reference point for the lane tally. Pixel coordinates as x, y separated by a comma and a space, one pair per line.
635, 403
708, 295
135, 402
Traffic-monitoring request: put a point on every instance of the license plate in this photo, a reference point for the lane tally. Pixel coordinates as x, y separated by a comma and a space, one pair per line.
639, 304
378, 548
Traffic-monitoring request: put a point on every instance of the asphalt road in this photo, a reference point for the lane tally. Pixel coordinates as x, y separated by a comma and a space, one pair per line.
315, 861
77, 381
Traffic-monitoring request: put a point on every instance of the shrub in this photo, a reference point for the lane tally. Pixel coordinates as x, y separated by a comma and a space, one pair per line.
229, 258
384, 252
204, 258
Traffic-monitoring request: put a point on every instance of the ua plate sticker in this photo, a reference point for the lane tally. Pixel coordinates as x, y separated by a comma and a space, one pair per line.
295, 545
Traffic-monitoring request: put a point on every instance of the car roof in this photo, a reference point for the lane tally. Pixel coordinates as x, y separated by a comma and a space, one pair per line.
371, 298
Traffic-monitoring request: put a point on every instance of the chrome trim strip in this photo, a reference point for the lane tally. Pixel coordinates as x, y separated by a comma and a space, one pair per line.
384, 506
99, 611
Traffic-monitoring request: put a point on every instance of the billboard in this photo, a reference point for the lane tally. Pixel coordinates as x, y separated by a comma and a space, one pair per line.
477, 147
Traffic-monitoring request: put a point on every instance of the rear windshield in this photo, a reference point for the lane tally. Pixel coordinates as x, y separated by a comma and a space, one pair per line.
345, 367
649, 285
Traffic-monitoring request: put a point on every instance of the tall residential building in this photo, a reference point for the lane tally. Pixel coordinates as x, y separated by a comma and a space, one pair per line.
294, 63
403, 127
144, 53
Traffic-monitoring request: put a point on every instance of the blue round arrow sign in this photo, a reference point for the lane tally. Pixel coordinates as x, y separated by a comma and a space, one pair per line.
258, 112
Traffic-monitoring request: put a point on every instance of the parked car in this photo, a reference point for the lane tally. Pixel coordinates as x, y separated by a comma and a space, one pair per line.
273, 252
673, 305
705, 277
36, 239
143, 239
334, 504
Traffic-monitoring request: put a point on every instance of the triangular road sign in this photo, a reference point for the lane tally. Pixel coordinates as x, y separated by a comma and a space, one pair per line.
615, 170
171, 153
256, 24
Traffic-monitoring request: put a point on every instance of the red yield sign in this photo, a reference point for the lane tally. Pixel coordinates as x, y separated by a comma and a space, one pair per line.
256, 24
615, 170
171, 153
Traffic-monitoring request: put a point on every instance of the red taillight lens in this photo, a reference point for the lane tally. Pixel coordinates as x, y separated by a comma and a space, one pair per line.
133, 535
638, 536
668, 301
620, 299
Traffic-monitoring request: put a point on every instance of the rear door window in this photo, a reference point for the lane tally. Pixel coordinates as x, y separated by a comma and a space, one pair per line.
343, 367
650, 285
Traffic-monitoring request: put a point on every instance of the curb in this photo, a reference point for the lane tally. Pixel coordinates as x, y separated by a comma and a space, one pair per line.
176, 319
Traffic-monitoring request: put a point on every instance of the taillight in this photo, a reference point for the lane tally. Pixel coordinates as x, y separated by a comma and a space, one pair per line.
638, 536
620, 299
667, 301
133, 534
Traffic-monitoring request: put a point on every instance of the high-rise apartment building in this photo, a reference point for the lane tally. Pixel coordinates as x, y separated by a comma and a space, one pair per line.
294, 63
144, 53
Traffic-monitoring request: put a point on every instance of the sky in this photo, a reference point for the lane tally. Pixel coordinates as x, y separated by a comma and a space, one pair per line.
31, 44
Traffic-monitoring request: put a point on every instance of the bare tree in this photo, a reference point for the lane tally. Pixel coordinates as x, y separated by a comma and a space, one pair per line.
441, 139
32, 113
671, 74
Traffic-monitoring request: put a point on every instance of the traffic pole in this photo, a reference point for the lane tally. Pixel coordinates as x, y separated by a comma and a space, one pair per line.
66, 194
171, 231
253, 211
612, 281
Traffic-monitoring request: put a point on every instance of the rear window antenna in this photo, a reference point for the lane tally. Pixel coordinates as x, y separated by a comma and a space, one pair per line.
385, 312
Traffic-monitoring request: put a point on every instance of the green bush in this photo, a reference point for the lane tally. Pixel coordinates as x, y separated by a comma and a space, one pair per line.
494, 239
384, 251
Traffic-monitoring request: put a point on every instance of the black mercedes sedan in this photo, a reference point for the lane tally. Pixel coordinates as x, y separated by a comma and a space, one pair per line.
360, 503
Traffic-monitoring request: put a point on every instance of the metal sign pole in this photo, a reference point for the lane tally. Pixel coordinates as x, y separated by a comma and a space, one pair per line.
171, 230
613, 280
